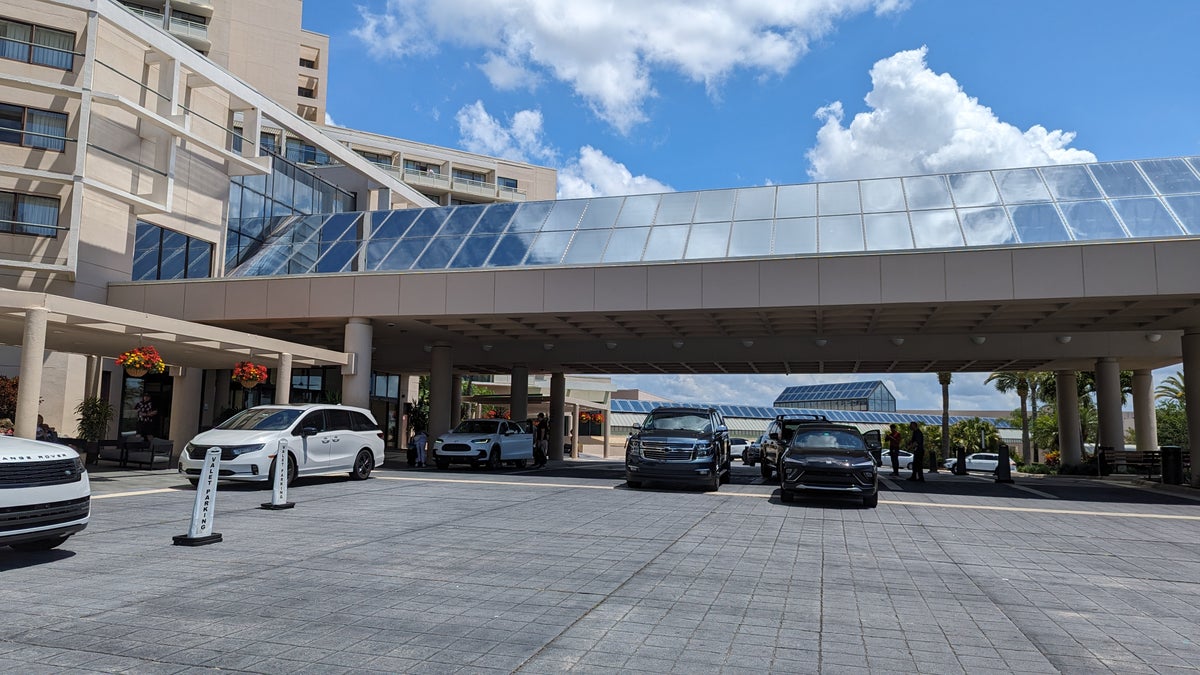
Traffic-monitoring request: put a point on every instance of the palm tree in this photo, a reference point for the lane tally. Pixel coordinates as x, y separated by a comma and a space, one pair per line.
1171, 388
1016, 381
944, 380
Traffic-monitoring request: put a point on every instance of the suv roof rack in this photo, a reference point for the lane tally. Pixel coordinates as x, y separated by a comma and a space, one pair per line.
811, 417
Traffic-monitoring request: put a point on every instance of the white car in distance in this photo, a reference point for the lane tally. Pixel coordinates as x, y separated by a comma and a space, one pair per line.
490, 442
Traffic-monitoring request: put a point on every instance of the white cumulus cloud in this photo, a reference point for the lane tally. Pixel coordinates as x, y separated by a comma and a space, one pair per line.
609, 52
595, 174
921, 122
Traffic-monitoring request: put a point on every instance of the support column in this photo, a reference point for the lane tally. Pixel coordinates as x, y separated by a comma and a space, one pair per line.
574, 429
356, 380
518, 393
1108, 403
92, 374
607, 425
33, 353
402, 423
1069, 443
283, 380
187, 388
558, 404
441, 372
455, 400
1145, 424
1191, 383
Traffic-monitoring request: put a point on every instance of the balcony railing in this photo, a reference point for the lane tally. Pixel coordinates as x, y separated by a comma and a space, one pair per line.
189, 28
426, 179
151, 17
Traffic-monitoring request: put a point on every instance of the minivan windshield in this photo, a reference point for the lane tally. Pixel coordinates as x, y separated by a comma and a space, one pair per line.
261, 419
678, 420
476, 427
831, 439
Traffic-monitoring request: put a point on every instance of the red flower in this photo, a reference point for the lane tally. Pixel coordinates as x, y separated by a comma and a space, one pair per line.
246, 371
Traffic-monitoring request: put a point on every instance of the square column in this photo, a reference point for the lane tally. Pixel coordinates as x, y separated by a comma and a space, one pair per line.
441, 374
558, 409
518, 393
356, 379
1191, 383
1069, 443
187, 388
1108, 403
1145, 423
455, 400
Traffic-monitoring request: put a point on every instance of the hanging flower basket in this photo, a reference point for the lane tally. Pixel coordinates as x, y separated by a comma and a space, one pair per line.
141, 360
249, 374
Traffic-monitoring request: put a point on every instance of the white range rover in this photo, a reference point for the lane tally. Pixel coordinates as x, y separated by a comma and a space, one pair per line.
45, 495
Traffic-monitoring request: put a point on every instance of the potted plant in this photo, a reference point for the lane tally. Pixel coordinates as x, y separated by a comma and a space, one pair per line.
94, 415
249, 374
141, 360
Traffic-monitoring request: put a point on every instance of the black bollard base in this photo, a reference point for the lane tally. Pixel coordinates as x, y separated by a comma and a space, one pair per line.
1005, 480
278, 507
184, 540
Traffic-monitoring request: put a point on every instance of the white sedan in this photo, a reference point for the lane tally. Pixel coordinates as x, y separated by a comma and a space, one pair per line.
982, 461
736, 446
906, 460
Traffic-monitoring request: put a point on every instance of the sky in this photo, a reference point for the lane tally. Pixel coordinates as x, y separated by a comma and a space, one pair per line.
629, 96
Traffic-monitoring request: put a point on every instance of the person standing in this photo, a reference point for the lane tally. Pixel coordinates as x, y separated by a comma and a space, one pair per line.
541, 440
421, 440
893, 439
916, 445
145, 417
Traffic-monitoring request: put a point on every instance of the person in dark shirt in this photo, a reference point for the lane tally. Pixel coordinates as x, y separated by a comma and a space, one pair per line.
145, 417
541, 440
916, 445
893, 439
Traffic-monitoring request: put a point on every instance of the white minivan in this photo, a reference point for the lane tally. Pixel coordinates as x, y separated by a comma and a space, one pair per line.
45, 495
319, 438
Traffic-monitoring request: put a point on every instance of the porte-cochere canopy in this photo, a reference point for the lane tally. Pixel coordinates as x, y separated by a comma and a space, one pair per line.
1143, 199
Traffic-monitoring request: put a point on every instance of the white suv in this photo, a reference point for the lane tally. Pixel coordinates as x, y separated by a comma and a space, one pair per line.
45, 495
319, 438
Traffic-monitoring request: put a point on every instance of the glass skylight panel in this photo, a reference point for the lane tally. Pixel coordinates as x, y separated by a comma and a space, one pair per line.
565, 215
838, 198
1188, 210
548, 249
511, 250
495, 218
377, 250
1021, 185
974, 189
750, 238
840, 233
626, 245
587, 247
714, 205
1037, 223
429, 222
1070, 182
1146, 218
530, 216
887, 231
882, 195
1170, 176
462, 220
986, 226
337, 225
795, 201
1092, 220
666, 242
708, 240
393, 224
474, 251
601, 213
936, 229
795, 235
1120, 179
927, 192
402, 255
638, 211
755, 203
676, 208
438, 254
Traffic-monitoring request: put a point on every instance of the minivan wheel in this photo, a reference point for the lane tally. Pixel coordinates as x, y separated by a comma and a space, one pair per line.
494, 461
195, 482
362, 465
40, 544
291, 471
765, 471
871, 501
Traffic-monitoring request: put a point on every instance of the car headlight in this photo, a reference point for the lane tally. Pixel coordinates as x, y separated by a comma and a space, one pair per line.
704, 449
634, 447
437, 442
236, 450
481, 440
78, 467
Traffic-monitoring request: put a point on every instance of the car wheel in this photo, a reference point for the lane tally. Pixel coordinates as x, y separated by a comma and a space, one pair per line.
291, 471
195, 482
909, 466
727, 473
747, 462
40, 544
785, 495
765, 471
520, 463
494, 462
871, 501
714, 480
362, 465
443, 464
634, 483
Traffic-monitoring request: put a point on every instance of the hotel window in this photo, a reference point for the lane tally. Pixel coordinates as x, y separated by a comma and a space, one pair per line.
29, 214
160, 254
463, 174
507, 183
307, 63
306, 92
193, 19
33, 128
423, 167
37, 44
375, 157
268, 141
305, 153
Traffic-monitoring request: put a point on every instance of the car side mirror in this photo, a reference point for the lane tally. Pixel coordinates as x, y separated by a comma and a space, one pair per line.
722, 429
308, 431
637, 426
773, 436
873, 439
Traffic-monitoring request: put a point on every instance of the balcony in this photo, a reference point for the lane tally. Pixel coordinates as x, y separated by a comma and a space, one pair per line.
427, 179
199, 7
508, 194
149, 16
195, 35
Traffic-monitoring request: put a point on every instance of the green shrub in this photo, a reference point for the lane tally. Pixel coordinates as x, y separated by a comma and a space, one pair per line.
1038, 469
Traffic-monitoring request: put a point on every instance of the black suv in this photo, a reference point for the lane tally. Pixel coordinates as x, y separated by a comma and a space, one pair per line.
679, 445
822, 457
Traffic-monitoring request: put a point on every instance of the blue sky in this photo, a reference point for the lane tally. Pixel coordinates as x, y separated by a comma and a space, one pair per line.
643, 96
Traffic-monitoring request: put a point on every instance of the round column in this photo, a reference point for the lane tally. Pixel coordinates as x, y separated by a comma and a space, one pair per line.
440, 376
518, 393
1108, 403
283, 380
1145, 424
33, 353
1069, 443
356, 387
455, 400
1191, 383
558, 410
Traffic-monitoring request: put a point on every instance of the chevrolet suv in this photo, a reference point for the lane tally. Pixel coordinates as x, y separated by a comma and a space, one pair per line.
680, 445
824, 458
45, 496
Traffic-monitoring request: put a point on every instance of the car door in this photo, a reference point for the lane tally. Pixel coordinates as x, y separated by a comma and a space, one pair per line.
515, 445
343, 444
314, 441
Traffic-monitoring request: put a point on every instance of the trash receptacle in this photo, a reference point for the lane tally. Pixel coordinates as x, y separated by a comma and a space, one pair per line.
1172, 464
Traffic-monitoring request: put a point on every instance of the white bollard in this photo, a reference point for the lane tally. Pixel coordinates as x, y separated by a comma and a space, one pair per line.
200, 532
279, 493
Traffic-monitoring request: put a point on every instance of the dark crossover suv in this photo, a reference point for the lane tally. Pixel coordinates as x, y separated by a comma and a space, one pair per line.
825, 458
679, 445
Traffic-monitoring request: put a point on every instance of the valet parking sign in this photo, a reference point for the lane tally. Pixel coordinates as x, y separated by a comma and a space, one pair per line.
200, 532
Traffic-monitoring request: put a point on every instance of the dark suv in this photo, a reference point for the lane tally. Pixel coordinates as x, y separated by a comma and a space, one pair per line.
826, 458
679, 445
775, 441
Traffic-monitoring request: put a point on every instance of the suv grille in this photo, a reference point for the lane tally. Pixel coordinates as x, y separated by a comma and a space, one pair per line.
29, 474
663, 451
197, 452
41, 515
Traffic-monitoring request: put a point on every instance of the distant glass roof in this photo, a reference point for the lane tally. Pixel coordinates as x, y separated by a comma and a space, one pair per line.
839, 391
1151, 198
621, 405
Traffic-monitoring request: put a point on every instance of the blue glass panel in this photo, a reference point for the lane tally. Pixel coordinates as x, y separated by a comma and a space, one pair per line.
145, 252
838, 198
174, 256
1188, 210
676, 208
841, 233
1146, 218
882, 195
974, 189
377, 250
627, 245
1170, 176
392, 224
750, 237
796, 201
438, 254
927, 192
587, 247
755, 204
666, 242
401, 257
638, 211
461, 221
714, 205
936, 229
1038, 223
795, 235
1120, 179
548, 249
338, 225
511, 250
986, 226
887, 231
1092, 220
474, 251
199, 260
338, 257
565, 215
601, 213
709, 240
1021, 185
495, 218
530, 216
